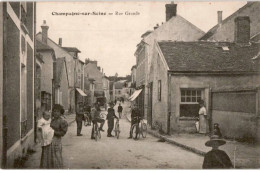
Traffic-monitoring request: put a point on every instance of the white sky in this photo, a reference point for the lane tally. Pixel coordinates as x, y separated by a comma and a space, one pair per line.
112, 40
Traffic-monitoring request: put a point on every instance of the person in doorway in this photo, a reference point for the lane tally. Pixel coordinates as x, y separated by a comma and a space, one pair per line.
45, 137
202, 118
135, 119
110, 119
60, 127
119, 110
95, 115
79, 119
216, 159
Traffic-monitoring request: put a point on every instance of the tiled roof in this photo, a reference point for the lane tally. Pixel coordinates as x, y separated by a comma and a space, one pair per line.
209, 56
71, 49
41, 46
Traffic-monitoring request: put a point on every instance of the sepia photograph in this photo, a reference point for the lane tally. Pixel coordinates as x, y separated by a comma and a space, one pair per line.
164, 85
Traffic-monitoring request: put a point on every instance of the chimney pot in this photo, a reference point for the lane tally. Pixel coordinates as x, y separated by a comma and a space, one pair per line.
219, 17
242, 29
171, 10
60, 42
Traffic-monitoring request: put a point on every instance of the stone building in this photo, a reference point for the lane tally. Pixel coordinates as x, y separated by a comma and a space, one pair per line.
176, 28
224, 74
224, 29
17, 26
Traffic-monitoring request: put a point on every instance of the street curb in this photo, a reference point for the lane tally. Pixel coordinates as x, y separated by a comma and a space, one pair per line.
194, 150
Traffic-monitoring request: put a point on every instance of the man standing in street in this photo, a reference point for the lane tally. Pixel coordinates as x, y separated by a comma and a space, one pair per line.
110, 119
79, 119
119, 110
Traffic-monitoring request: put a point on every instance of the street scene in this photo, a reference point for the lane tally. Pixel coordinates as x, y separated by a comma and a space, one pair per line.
130, 85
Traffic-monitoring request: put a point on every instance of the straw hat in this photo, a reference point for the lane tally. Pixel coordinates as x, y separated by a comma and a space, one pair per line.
215, 140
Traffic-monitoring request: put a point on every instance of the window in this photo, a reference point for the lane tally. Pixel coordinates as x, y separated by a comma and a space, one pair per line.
189, 103
159, 90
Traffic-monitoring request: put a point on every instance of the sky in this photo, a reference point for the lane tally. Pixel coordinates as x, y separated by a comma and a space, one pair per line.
111, 39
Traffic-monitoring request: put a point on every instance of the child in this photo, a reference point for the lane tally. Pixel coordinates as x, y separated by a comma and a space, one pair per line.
45, 136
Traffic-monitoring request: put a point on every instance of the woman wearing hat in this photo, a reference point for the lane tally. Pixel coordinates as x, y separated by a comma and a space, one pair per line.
216, 159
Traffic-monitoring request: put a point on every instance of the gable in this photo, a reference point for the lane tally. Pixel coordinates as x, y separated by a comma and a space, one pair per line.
225, 31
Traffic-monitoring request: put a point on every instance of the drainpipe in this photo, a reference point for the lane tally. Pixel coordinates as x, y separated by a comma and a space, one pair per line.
169, 104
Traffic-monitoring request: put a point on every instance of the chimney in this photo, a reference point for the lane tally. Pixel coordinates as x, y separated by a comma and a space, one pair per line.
171, 10
242, 29
219, 17
98, 68
157, 26
60, 42
86, 61
45, 28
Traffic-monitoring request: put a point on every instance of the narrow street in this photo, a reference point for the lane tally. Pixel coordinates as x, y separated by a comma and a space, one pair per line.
111, 153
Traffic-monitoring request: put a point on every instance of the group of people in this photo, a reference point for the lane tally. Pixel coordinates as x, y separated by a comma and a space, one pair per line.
52, 127
93, 114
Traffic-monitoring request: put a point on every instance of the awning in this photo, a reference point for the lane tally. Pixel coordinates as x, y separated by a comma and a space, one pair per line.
136, 93
81, 92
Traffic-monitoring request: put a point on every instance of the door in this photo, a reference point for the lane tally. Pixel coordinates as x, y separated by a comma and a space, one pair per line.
150, 104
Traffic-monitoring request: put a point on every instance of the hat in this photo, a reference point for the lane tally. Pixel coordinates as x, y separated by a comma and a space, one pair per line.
215, 140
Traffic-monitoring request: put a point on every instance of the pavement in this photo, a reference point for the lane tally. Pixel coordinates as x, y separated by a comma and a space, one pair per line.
242, 155
80, 152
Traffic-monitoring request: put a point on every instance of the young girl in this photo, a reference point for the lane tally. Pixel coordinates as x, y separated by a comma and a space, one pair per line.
45, 136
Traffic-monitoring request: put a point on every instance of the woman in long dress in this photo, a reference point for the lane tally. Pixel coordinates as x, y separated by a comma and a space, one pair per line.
60, 127
202, 118
45, 136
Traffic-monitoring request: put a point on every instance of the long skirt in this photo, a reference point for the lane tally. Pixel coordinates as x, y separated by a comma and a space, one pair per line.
203, 124
46, 158
57, 153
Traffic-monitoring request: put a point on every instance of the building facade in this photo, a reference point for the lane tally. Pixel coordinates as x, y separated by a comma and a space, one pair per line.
223, 74
175, 28
17, 75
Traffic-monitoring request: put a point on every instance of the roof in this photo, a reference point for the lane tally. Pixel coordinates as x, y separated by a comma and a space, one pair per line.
213, 30
209, 56
118, 85
42, 46
134, 66
71, 49
146, 33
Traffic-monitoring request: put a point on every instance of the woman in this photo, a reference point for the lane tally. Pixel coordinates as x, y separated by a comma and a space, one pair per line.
45, 135
202, 118
60, 127
110, 119
216, 158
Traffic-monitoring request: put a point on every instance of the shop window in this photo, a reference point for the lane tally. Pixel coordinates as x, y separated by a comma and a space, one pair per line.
189, 103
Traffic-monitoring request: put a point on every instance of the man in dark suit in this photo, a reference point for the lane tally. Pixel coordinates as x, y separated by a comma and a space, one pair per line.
79, 119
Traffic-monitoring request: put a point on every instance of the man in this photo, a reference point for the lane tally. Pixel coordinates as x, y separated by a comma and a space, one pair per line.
110, 119
95, 115
87, 110
119, 110
216, 159
79, 119
135, 119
